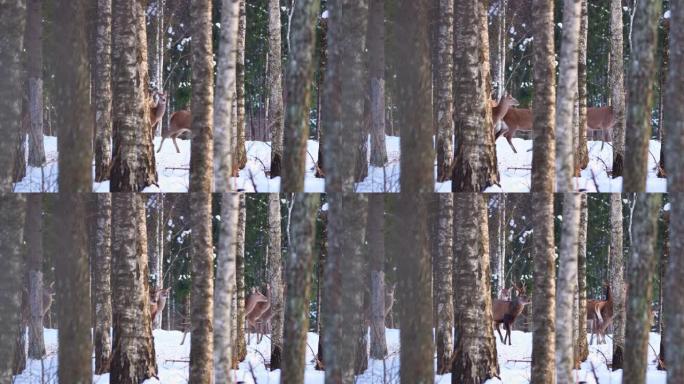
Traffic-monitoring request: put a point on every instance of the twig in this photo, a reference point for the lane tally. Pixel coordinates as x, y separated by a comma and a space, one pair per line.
593, 372
178, 168
593, 179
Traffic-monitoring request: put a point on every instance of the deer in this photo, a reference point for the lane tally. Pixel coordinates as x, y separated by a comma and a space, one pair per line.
601, 119
600, 315
505, 294
157, 109
158, 302
257, 310
48, 298
505, 312
180, 123
516, 119
501, 108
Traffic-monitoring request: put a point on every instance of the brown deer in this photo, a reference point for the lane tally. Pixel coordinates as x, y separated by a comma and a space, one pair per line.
601, 119
158, 302
516, 119
504, 294
180, 123
157, 109
259, 311
505, 311
500, 109
600, 316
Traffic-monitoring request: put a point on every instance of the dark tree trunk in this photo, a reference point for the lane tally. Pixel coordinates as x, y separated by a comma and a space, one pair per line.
34, 50
102, 90
34, 239
102, 287
376, 256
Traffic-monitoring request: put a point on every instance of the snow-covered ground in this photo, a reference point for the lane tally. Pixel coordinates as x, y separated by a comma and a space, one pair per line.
172, 360
514, 169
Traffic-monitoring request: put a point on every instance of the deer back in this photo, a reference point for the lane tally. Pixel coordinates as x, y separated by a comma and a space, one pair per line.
518, 119
181, 121
600, 118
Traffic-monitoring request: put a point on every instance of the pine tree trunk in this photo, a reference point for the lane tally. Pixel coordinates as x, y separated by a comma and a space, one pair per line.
475, 358
72, 278
102, 288
444, 93
201, 342
583, 348
674, 99
12, 26
642, 263
102, 90
376, 257
34, 240
543, 301
201, 151
299, 78
443, 286
72, 100
565, 291
275, 278
582, 160
240, 153
376, 68
275, 87
567, 93
674, 331
34, 51
543, 110
617, 283
240, 350
225, 287
133, 163
475, 165
642, 69
299, 265
12, 207
133, 356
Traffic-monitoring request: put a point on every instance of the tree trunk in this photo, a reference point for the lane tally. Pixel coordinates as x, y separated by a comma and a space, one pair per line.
240, 153
321, 87
567, 284
299, 264
342, 291
225, 287
376, 72
240, 350
201, 342
225, 95
498, 239
443, 287
475, 358
275, 87
543, 302
72, 277
582, 154
72, 100
133, 163
674, 99
565, 100
320, 313
475, 165
376, 256
617, 86
133, 356
641, 72
583, 348
663, 276
617, 276
275, 279
444, 93
34, 240
102, 289
642, 262
662, 89
102, 90
12, 28
299, 77
201, 150
543, 111
155, 247
34, 61
674, 332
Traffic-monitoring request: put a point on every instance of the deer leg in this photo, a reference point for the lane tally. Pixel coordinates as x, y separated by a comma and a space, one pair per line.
509, 138
161, 144
508, 332
175, 144
499, 331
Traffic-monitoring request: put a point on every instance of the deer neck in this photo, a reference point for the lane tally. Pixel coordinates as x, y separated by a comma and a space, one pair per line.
499, 111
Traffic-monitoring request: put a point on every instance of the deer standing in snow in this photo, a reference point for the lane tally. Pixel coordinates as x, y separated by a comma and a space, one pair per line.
158, 302
505, 311
157, 109
181, 122
600, 316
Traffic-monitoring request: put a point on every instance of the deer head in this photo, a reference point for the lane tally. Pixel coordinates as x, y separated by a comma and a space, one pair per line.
158, 301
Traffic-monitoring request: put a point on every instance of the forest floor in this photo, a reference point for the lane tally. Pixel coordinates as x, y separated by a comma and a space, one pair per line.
515, 170
514, 362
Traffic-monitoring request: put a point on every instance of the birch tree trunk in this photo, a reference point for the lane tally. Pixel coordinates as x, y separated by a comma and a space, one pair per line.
299, 264
102, 287
617, 86
376, 69
674, 331
443, 286
201, 342
102, 90
225, 94
583, 348
202, 149
617, 279
565, 291
72, 100
12, 26
376, 256
642, 263
565, 99
225, 288
275, 87
240, 350
133, 355
12, 207
34, 240
475, 165
444, 99
34, 62
240, 153
582, 160
543, 110
133, 165
475, 358
543, 302
299, 78
275, 279
674, 99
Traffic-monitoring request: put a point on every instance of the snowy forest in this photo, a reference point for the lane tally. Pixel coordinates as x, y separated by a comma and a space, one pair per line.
315, 96
341, 288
